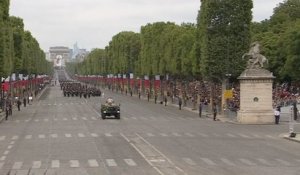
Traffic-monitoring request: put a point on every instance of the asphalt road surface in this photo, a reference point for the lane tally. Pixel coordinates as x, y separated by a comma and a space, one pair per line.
59, 135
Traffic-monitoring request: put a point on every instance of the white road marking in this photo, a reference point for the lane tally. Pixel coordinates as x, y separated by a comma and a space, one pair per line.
17, 121
81, 135
203, 135
17, 165
130, 162
244, 136
55, 119
94, 118
2, 138
42, 136
263, 161
134, 118
93, 163
247, 162
283, 162
27, 120
256, 136
189, 161
189, 134
36, 164
230, 135
108, 135
84, 118
152, 118
46, 120
150, 134
111, 162
143, 118
74, 163
68, 135
208, 161
99, 115
65, 119
94, 135
12, 142
163, 134
74, 118
6, 152
269, 136
227, 162
28, 137
55, 164
15, 138
9, 146
150, 159
36, 120
3, 158
54, 135
216, 135
176, 134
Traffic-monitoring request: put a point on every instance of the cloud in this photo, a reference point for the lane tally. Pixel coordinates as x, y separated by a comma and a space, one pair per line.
92, 23
263, 9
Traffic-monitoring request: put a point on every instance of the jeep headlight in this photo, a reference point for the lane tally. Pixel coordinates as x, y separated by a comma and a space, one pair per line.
118, 111
104, 111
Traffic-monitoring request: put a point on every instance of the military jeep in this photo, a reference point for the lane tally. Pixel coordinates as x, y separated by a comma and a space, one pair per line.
110, 109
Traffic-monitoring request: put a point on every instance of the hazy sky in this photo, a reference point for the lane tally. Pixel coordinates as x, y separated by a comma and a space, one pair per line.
92, 23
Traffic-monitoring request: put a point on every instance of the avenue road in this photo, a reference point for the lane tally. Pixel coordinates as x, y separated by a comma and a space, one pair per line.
59, 135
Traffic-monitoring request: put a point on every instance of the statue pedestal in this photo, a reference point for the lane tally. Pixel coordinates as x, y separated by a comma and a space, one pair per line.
256, 97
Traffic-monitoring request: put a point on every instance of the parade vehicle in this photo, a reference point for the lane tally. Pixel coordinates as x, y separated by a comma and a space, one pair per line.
110, 109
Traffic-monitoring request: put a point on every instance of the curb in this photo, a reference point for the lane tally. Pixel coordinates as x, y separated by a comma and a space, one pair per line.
41, 93
2, 116
286, 136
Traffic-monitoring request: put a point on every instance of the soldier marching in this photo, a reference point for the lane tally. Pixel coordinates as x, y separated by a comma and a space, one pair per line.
75, 89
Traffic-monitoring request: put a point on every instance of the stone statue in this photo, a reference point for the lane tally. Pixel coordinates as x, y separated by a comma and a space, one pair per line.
256, 60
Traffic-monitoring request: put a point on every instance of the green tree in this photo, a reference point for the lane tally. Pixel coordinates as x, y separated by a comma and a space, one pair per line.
18, 32
123, 52
275, 37
6, 40
224, 32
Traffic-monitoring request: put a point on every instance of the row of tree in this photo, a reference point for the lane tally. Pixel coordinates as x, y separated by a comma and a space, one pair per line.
280, 37
208, 50
20, 52
160, 49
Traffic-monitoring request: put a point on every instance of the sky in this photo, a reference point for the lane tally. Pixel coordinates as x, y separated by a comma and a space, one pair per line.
93, 23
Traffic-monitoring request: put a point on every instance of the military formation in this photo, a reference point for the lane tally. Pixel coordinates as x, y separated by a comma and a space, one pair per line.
77, 89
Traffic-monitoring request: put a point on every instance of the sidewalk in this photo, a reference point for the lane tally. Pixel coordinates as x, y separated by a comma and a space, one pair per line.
295, 139
2, 113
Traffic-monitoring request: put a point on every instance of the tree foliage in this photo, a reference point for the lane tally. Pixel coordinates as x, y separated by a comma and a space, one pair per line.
279, 36
224, 33
19, 50
160, 48
209, 49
